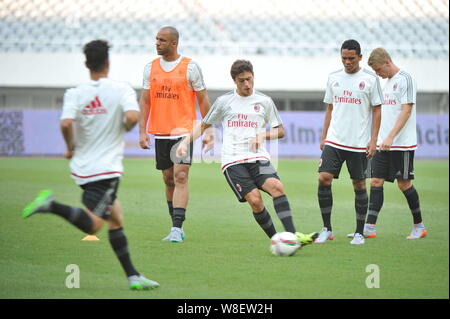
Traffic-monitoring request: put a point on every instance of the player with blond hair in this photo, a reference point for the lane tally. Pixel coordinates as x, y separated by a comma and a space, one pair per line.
397, 141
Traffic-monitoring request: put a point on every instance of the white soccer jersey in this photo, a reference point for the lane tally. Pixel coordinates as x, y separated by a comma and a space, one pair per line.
194, 73
352, 96
97, 108
400, 89
242, 119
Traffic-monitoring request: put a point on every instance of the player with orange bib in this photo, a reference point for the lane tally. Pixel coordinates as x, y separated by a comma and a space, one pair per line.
172, 84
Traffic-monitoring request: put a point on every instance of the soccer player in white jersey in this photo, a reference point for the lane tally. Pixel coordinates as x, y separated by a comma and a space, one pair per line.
353, 97
171, 86
94, 119
246, 165
397, 141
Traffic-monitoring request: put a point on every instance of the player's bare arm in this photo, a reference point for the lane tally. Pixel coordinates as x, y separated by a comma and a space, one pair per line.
272, 134
204, 106
376, 120
198, 130
144, 106
203, 102
326, 125
131, 118
399, 124
67, 132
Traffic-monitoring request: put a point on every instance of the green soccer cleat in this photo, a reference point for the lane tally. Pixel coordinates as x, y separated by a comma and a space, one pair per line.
39, 204
141, 283
306, 239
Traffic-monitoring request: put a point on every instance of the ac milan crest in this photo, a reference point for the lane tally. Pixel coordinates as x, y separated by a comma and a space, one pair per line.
362, 85
238, 187
256, 108
394, 87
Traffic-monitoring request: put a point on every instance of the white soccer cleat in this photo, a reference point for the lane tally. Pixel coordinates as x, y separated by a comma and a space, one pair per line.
418, 231
324, 235
369, 231
171, 236
141, 283
358, 239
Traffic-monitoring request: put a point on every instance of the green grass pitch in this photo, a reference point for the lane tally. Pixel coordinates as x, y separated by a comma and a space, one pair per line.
225, 255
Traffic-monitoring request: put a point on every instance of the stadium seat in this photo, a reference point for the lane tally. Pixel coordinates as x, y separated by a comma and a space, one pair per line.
298, 27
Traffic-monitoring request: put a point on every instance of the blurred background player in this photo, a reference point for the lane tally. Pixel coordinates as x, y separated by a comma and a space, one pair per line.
246, 165
171, 85
397, 141
352, 95
95, 117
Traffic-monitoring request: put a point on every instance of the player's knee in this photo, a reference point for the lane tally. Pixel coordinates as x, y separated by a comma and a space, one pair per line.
404, 184
359, 184
376, 182
168, 180
277, 189
97, 224
255, 200
181, 177
325, 179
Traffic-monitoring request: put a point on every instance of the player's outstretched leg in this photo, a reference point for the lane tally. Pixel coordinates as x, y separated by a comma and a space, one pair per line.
283, 210
265, 222
45, 203
306, 239
40, 204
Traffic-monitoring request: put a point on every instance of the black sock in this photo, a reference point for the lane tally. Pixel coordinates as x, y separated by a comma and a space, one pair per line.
179, 215
361, 205
119, 244
326, 204
414, 205
375, 204
283, 210
170, 206
265, 222
74, 215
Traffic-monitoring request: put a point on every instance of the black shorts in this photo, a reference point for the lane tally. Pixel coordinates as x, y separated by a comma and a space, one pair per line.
391, 165
165, 153
245, 177
99, 196
332, 159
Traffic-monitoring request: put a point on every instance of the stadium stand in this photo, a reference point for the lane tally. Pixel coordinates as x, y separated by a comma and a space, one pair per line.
41, 35
412, 28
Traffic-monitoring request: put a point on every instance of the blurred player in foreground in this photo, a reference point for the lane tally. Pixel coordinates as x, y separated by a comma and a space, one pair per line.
246, 165
101, 111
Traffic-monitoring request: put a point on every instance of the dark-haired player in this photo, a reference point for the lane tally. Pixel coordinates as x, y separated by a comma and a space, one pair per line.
246, 165
353, 97
95, 117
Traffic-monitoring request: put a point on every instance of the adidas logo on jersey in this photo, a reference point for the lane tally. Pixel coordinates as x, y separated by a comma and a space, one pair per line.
94, 107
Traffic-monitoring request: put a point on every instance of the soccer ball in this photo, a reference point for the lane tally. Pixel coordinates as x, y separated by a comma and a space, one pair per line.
284, 244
